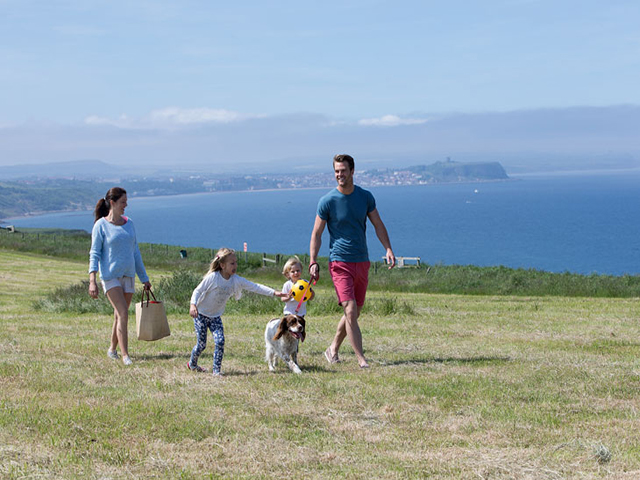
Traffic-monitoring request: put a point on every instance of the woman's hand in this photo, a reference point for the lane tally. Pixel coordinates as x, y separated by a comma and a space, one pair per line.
93, 285
193, 311
93, 289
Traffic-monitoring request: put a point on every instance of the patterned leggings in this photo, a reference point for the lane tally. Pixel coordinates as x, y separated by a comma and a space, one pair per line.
217, 330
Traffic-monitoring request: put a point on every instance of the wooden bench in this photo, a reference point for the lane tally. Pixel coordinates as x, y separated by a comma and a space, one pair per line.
266, 259
401, 262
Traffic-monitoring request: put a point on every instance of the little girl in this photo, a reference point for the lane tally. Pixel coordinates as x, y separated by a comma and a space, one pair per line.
208, 302
292, 270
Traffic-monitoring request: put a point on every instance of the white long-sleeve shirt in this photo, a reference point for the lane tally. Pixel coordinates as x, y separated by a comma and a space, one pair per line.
211, 295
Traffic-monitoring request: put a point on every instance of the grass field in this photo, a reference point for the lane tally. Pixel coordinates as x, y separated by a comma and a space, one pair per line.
462, 387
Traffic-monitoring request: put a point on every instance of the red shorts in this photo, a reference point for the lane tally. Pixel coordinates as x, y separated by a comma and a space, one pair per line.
350, 280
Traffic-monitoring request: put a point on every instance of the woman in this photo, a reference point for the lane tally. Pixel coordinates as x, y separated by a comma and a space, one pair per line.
115, 253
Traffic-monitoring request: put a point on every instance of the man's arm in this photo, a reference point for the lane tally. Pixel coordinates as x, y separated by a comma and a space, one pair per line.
383, 236
314, 247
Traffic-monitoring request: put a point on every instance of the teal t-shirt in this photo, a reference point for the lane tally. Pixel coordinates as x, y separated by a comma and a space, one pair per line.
346, 217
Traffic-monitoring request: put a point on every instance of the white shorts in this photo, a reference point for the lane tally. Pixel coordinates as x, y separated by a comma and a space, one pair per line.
128, 284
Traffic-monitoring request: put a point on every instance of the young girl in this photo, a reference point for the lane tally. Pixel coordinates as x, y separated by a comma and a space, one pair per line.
292, 270
208, 302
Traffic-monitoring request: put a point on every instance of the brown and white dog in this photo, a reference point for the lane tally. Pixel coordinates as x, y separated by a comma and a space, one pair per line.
281, 337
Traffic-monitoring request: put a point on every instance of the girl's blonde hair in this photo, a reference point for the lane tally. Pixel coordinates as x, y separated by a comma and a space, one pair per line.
290, 263
221, 257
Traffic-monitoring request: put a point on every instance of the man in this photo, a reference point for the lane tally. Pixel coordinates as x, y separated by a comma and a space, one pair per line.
345, 211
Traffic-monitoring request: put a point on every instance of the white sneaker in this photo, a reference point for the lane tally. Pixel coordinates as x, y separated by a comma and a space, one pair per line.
127, 360
112, 354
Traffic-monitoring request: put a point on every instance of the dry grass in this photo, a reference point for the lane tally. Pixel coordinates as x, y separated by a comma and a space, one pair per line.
468, 387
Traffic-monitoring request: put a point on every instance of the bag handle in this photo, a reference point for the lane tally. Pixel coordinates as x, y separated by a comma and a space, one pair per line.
148, 292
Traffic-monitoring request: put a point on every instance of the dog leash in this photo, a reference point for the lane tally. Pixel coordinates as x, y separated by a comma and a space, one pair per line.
303, 295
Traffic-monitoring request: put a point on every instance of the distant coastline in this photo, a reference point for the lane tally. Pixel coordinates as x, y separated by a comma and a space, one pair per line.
34, 196
582, 224
36, 213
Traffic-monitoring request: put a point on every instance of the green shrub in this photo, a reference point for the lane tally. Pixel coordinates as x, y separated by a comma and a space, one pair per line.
387, 306
323, 305
175, 291
455, 279
74, 298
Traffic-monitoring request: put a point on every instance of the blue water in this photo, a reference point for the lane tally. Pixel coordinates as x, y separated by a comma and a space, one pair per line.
581, 223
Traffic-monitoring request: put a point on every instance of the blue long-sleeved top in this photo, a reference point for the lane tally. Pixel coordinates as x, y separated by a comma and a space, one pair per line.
114, 251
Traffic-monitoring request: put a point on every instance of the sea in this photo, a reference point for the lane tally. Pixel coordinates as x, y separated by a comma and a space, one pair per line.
587, 223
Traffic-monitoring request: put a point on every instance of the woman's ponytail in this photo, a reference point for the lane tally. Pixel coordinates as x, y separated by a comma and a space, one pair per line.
104, 204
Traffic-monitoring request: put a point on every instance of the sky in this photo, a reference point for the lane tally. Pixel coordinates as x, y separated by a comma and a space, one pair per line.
219, 83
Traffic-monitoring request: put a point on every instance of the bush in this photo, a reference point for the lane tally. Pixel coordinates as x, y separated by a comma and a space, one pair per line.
473, 280
456, 279
175, 291
74, 298
388, 306
323, 305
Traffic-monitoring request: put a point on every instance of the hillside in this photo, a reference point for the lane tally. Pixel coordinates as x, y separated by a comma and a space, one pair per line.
22, 198
457, 172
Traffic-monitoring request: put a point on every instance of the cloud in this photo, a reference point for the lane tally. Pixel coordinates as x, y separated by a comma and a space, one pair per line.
172, 117
391, 121
121, 122
229, 140
176, 117
181, 116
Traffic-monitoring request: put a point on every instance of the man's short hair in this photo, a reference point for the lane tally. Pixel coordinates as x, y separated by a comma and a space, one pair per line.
342, 157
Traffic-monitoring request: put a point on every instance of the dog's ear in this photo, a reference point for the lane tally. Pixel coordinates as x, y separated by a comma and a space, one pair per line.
282, 328
304, 328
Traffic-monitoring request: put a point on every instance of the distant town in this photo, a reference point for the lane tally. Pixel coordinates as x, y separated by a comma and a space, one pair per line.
439, 172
